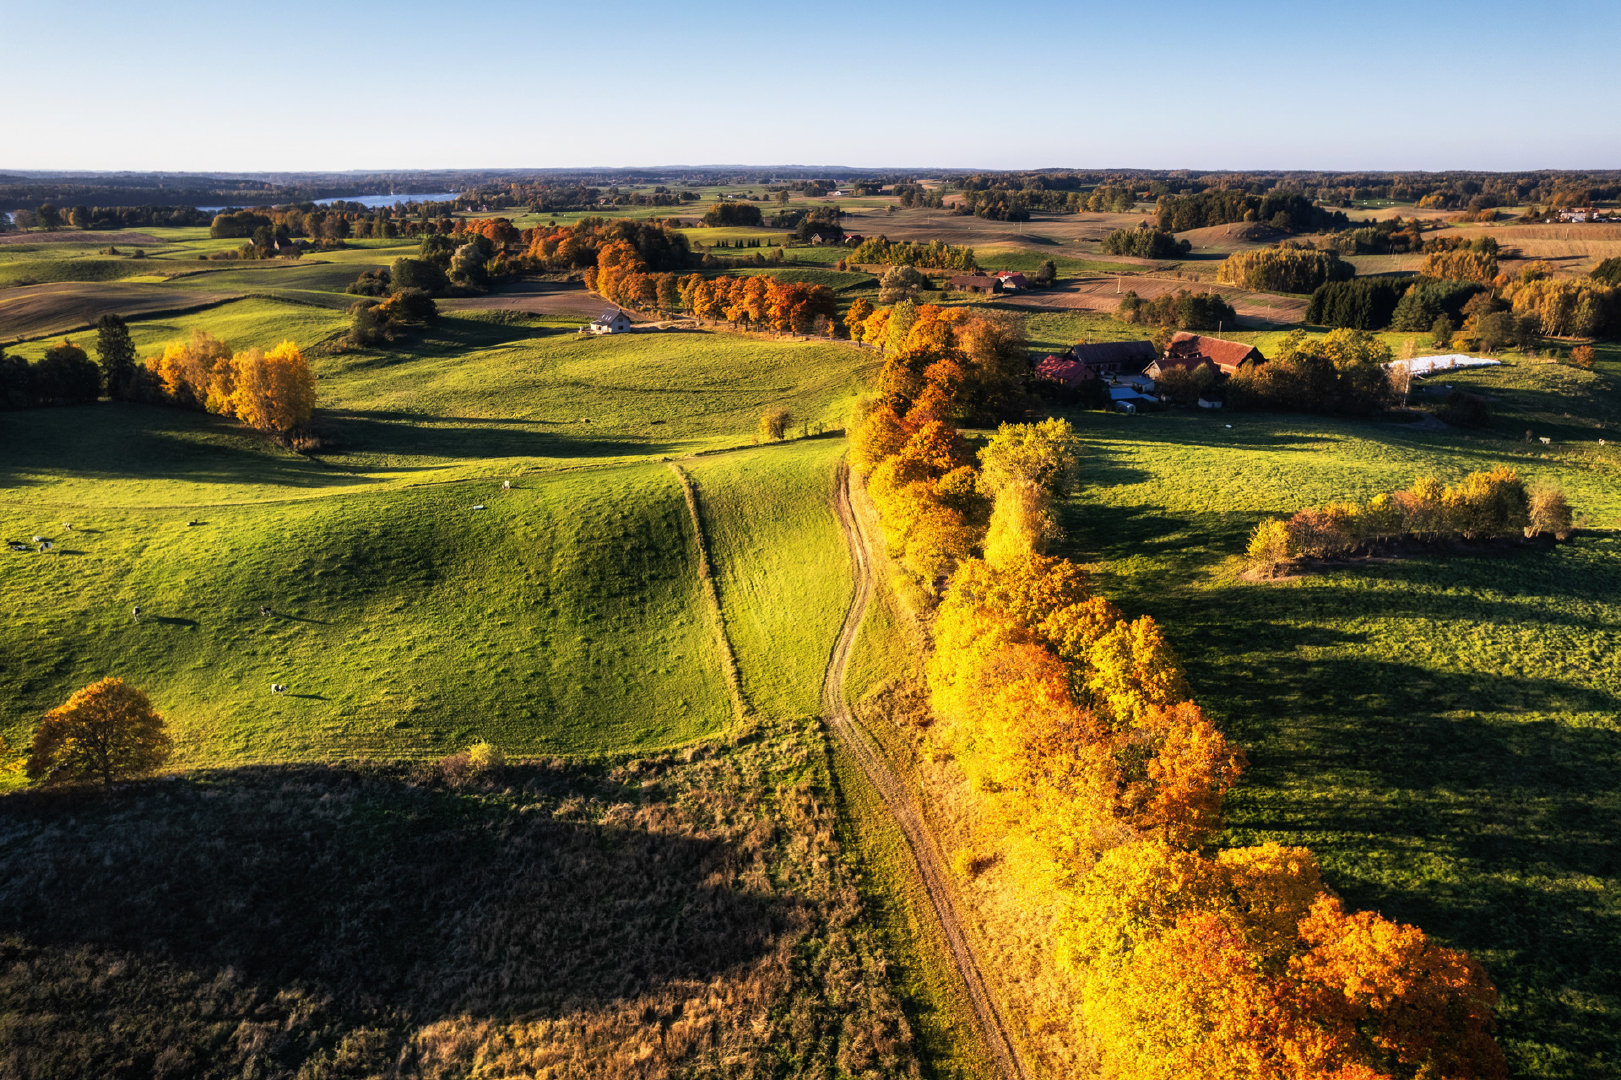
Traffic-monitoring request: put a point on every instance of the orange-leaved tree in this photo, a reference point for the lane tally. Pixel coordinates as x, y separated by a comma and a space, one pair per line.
105, 731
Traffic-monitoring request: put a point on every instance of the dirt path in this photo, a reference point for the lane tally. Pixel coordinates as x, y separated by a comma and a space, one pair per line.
931, 866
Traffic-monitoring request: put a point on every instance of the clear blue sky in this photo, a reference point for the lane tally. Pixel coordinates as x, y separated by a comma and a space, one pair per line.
1421, 84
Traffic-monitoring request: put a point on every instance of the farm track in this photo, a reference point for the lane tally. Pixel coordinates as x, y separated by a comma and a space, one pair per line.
862, 747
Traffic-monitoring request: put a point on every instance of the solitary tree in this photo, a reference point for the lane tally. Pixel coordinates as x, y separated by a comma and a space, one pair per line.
105, 731
117, 354
774, 424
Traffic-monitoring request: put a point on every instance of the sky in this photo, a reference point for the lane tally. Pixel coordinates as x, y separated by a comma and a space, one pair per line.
356, 84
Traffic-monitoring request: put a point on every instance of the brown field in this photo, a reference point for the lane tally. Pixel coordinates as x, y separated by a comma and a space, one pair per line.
1043, 232
1571, 247
567, 298
1237, 236
1256, 310
31, 311
65, 236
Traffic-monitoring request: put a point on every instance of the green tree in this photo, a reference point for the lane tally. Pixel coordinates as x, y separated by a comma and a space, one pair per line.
1046, 274
49, 216
116, 351
105, 731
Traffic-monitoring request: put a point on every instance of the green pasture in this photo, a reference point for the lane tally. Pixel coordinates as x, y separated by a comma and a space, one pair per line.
563, 618
1440, 729
782, 568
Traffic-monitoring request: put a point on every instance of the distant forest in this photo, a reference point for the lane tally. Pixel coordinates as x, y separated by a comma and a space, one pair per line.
1306, 199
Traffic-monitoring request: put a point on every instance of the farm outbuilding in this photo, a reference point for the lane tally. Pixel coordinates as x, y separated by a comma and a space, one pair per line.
980, 283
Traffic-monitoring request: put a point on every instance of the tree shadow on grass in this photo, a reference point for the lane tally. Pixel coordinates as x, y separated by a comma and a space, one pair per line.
422, 435
392, 900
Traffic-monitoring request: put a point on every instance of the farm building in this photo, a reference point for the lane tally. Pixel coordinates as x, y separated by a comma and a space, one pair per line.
610, 322
1012, 279
1115, 357
981, 283
1190, 351
1063, 371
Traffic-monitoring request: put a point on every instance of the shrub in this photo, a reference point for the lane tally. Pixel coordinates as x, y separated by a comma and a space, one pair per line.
1269, 545
1582, 356
1548, 513
484, 757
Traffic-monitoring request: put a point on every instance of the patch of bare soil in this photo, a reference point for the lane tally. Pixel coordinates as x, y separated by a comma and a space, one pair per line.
538, 298
31, 311
1256, 310
69, 236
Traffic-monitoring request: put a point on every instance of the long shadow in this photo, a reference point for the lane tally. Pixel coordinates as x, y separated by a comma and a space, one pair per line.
372, 898
423, 435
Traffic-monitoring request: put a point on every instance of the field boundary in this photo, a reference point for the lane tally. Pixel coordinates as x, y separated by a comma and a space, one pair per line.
869, 758
706, 575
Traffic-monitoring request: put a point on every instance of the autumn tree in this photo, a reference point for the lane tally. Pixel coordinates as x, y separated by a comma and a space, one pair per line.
105, 731
774, 424
900, 283
273, 391
1046, 454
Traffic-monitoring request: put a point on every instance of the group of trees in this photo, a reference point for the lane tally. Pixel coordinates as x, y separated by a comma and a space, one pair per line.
65, 375
273, 392
1341, 372
49, 216
1103, 782
934, 255
758, 302
731, 212
1567, 307
1145, 243
1391, 236
1460, 264
1286, 268
1359, 304
1283, 210
1482, 506
1181, 310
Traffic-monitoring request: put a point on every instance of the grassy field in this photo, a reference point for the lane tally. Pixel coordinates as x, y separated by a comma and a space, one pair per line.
1440, 729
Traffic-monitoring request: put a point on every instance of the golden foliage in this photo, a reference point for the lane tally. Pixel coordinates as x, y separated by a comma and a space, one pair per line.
103, 732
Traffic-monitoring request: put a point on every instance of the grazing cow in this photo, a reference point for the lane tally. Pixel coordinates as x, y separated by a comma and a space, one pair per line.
37, 539
44, 545
263, 610
506, 485
480, 506
189, 524
277, 688
135, 612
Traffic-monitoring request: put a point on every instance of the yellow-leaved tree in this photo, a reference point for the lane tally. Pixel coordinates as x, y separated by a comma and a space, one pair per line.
103, 732
274, 391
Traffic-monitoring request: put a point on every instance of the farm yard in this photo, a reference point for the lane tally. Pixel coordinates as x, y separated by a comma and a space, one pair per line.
591, 554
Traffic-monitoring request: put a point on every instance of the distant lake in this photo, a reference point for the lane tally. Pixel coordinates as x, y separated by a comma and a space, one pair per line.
372, 201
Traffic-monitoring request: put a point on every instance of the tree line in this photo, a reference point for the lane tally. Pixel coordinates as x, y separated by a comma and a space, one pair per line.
1490, 505
1145, 243
934, 255
273, 392
755, 302
1287, 211
1285, 268
1094, 768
